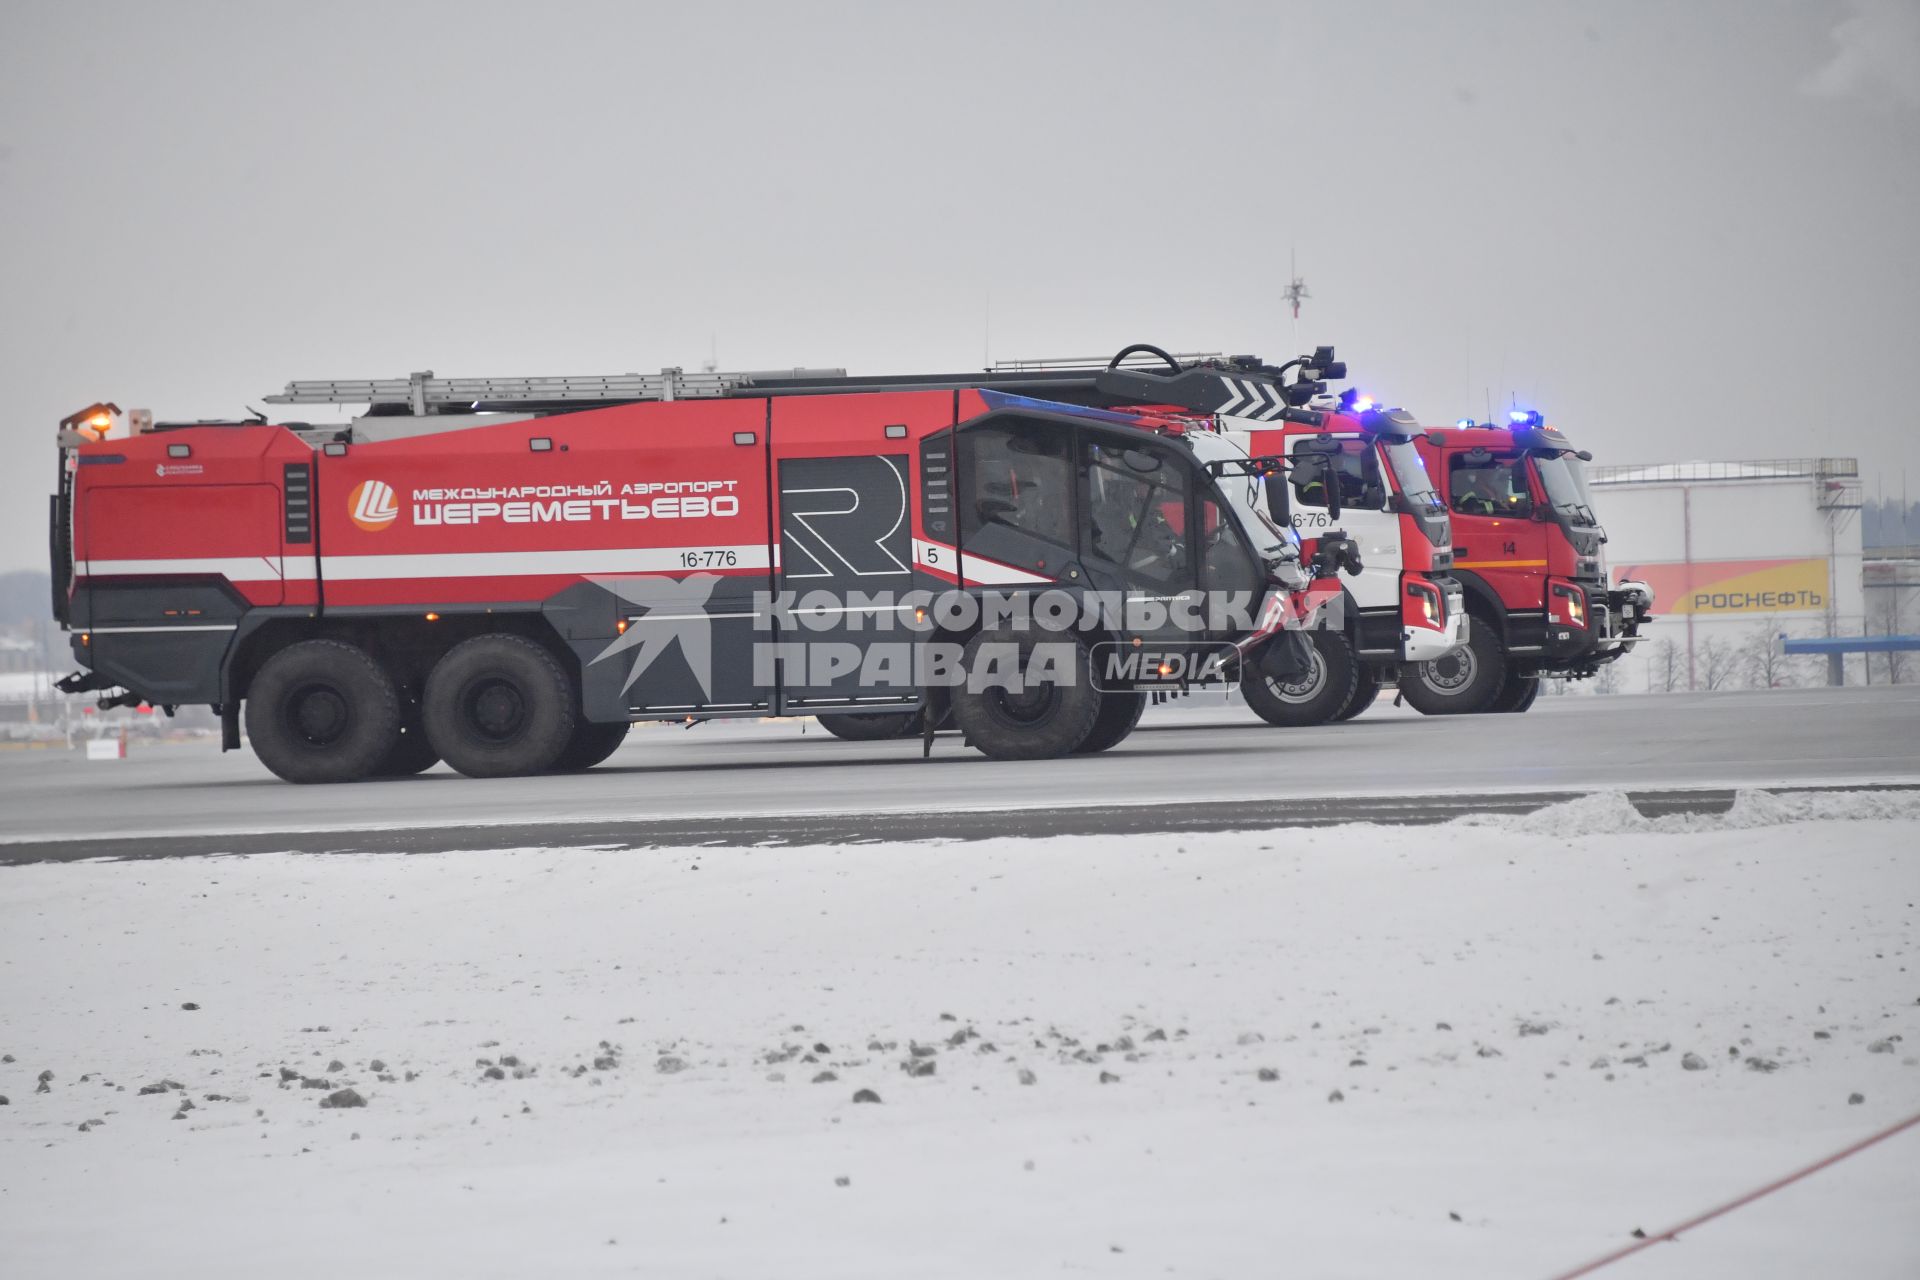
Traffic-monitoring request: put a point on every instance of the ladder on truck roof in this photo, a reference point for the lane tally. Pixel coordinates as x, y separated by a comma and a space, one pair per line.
1241, 386
1072, 363
422, 391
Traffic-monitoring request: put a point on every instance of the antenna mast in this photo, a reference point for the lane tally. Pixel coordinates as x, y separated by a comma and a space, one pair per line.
1296, 293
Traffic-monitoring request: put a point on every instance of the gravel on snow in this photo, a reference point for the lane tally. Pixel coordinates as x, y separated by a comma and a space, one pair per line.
1546, 1033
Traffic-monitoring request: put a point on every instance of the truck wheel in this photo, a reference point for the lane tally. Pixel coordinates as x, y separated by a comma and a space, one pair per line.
1517, 694
1463, 682
870, 728
1119, 713
498, 706
411, 753
322, 711
591, 744
1364, 692
1042, 719
1317, 696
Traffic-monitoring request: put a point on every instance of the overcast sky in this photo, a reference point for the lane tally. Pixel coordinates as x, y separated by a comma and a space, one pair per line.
1684, 230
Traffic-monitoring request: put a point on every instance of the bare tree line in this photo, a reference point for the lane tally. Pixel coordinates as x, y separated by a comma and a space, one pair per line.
1760, 660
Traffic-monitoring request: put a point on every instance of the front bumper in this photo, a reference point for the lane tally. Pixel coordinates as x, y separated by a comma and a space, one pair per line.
1423, 644
1630, 605
1613, 620
1617, 617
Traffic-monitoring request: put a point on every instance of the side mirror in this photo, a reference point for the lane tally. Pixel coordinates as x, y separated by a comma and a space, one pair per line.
1279, 498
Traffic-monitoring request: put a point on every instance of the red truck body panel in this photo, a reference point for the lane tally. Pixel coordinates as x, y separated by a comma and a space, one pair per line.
479, 516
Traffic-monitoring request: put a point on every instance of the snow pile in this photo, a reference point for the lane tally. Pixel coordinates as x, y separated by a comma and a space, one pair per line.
1362, 1051
1603, 813
1598, 813
1753, 809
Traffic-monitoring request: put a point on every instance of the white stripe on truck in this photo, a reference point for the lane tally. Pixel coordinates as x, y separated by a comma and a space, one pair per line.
488, 564
238, 568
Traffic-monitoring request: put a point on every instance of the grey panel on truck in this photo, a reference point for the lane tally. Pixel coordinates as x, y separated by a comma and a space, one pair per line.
687, 647
844, 528
175, 666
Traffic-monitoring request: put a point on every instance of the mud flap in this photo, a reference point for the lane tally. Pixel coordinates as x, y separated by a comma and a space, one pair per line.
1288, 657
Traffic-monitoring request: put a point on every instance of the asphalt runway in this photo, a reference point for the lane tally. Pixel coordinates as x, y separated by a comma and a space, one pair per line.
1193, 765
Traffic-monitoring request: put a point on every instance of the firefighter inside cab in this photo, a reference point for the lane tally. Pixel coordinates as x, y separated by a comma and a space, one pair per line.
1485, 485
1352, 462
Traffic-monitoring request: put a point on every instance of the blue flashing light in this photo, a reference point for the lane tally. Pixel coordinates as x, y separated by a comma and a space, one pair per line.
1526, 418
1353, 401
1464, 422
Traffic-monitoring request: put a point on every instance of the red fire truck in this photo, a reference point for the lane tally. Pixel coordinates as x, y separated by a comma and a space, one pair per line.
505, 573
1530, 555
1403, 608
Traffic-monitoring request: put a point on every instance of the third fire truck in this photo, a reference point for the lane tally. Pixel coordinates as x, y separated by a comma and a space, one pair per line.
1530, 555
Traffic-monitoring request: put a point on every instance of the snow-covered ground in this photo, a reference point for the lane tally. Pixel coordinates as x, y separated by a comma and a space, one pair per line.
1456, 1051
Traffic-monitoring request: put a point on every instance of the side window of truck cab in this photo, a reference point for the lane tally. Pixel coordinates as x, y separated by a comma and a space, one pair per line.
1136, 496
1016, 490
1480, 483
1017, 476
1357, 466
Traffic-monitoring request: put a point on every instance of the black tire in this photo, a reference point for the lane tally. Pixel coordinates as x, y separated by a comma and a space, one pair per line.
870, 728
1517, 694
591, 744
1119, 713
322, 711
1462, 683
1316, 697
1041, 722
500, 706
411, 752
1364, 692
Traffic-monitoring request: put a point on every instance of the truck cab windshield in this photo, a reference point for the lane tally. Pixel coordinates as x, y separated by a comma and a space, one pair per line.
1410, 472
1421, 502
1564, 477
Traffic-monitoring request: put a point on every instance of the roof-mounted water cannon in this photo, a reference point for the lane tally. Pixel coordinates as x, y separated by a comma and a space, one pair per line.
1310, 375
1323, 367
1238, 386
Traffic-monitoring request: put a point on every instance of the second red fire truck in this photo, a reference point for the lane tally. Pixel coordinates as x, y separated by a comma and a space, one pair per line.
1358, 469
